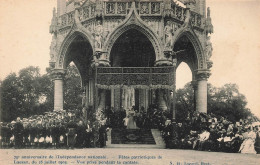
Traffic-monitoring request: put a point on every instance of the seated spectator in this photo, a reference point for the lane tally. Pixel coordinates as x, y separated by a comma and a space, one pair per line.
248, 144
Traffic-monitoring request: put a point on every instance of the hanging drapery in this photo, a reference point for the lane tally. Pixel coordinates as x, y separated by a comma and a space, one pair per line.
136, 77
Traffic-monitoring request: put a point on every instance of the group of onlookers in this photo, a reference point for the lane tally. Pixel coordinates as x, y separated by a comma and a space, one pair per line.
68, 129
210, 133
58, 129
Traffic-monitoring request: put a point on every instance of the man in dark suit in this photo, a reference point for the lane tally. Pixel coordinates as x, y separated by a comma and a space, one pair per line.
81, 134
18, 133
71, 134
102, 135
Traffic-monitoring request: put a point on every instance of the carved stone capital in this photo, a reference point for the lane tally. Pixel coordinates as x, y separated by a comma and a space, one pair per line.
164, 62
202, 75
58, 74
169, 59
100, 58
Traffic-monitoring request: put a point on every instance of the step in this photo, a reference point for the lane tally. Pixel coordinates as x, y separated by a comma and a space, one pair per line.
156, 136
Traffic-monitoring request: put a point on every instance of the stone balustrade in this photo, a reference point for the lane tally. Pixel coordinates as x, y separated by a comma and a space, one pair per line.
120, 8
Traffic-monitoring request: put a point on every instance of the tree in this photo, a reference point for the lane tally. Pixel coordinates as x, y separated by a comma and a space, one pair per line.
30, 85
10, 98
229, 102
185, 102
72, 88
225, 101
30, 93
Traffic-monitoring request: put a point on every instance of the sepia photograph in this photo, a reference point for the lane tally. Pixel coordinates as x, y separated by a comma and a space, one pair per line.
160, 82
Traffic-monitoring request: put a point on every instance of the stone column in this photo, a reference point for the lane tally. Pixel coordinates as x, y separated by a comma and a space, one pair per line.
87, 95
91, 92
168, 59
58, 89
201, 99
112, 97
195, 90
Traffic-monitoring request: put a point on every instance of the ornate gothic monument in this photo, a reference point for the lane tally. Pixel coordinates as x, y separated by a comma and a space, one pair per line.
127, 51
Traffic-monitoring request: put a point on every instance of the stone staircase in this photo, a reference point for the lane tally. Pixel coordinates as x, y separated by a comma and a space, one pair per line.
134, 138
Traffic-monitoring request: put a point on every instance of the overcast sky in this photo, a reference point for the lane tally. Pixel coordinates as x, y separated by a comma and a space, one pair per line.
25, 40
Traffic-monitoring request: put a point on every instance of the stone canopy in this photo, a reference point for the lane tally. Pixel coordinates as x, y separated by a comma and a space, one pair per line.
129, 33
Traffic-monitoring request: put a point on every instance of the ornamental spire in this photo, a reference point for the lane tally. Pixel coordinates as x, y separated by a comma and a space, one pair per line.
208, 26
54, 22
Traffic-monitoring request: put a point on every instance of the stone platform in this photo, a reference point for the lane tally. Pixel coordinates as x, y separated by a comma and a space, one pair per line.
119, 138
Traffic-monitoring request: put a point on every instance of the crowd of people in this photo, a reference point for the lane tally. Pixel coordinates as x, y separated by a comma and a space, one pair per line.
58, 129
207, 132
200, 131
67, 129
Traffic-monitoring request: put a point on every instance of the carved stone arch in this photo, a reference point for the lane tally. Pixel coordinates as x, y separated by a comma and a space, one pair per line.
133, 21
201, 60
67, 42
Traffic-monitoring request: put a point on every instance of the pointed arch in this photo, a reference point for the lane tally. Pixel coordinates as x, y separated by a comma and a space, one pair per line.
133, 21
200, 58
64, 48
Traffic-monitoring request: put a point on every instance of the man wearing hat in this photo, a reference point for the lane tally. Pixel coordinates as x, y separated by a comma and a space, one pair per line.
71, 134
26, 132
55, 134
18, 133
32, 132
102, 135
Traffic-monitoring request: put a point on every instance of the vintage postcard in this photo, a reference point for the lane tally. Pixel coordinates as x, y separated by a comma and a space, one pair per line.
161, 82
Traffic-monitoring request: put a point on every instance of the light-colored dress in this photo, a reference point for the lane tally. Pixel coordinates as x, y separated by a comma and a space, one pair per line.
247, 147
131, 124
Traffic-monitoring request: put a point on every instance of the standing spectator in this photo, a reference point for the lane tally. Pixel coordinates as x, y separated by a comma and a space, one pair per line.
71, 134
102, 135
89, 135
81, 134
18, 133
257, 140
26, 133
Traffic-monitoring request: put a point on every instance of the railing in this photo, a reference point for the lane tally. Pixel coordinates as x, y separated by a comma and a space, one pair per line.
137, 77
122, 8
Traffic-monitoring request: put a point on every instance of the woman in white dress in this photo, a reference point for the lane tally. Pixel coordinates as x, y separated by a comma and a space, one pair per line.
131, 124
247, 147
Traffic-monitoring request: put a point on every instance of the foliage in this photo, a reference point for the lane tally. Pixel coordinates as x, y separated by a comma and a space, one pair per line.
30, 93
72, 89
225, 101
184, 102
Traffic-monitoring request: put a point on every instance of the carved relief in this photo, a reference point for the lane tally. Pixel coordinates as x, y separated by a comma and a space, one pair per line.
121, 8
98, 36
110, 8
144, 8
208, 49
53, 48
168, 36
155, 8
